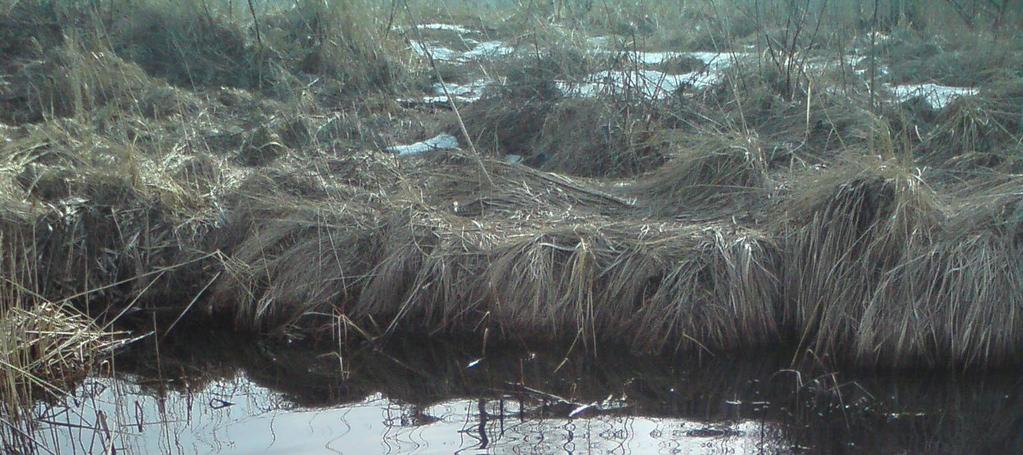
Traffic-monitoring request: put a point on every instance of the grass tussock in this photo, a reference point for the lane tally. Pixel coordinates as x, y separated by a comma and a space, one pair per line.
106, 216
187, 45
43, 345
70, 80
709, 170
957, 302
578, 134
854, 225
979, 132
599, 284
584, 137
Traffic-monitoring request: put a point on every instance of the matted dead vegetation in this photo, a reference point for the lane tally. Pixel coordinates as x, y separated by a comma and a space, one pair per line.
536, 258
866, 265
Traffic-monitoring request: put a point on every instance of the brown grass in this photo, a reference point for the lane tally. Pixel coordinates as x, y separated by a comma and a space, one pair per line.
534, 259
71, 79
955, 302
979, 132
849, 228
711, 170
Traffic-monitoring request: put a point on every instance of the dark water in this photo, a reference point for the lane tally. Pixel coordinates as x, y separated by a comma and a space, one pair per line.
229, 396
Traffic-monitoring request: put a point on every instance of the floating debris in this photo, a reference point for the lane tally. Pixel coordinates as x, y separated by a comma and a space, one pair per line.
439, 142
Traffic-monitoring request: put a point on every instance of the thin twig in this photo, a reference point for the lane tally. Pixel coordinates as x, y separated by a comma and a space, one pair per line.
444, 87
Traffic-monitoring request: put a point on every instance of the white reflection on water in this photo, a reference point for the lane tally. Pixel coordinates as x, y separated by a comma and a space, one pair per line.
237, 416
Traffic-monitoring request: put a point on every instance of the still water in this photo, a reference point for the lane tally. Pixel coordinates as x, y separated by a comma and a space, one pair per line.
222, 396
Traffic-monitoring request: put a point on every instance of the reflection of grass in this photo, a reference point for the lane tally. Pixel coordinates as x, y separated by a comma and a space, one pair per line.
819, 411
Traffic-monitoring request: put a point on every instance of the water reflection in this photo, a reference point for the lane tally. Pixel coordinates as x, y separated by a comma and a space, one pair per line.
238, 416
228, 397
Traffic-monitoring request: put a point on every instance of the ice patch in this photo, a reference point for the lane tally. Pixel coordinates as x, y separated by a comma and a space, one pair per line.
437, 143
937, 96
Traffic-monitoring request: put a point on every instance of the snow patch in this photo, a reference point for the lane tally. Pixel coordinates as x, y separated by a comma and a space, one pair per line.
598, 41
449, 27
652, 83
487, 49
480, 51
473, 90
937, 96
717, 61
461, 93
712, 60
438, 52
648, 83
440, 142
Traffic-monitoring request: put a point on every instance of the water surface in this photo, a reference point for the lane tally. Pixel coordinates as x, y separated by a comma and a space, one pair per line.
226, 396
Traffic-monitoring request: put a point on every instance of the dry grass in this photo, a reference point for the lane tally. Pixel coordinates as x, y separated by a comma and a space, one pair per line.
512, 192
596, 138
591, 138
848, 229
710, 170
977, 133
71, 79
529, 255
529, 116
653, 292
956, 301
44, 346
